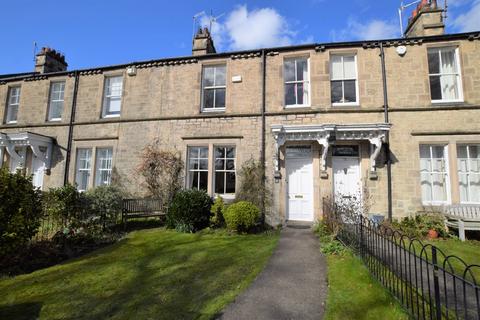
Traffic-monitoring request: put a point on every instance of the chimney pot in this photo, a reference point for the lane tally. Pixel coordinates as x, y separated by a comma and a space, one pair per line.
49, 60
203, 42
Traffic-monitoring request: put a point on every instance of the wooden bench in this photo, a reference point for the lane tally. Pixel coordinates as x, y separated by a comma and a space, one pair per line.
141, 208
462, 217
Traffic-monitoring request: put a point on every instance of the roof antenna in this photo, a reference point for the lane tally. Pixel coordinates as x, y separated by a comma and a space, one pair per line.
195, 17
400, 13
35, 48
214, 19
445, 7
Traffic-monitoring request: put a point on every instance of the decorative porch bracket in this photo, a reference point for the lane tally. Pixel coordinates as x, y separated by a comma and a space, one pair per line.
326, 134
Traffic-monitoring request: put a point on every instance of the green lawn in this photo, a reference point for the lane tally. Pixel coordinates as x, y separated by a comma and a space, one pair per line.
152, 274
354, 294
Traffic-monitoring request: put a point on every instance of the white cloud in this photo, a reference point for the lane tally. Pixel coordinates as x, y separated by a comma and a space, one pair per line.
243, 29
470, 20
371, 30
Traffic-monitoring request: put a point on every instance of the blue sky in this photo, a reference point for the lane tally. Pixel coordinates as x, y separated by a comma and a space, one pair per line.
100, 32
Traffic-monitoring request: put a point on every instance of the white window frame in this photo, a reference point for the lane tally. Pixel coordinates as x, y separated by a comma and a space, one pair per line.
357, 92
458, 74
197, 171
305, 82
51, 100
88, 170
214, 87
10, 105
431, 172
98, 166
224, 171
468, 172
106, 113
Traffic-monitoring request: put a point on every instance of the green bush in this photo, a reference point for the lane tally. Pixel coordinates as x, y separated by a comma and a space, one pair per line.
189, 211
419, 225
63, 203
105, 202
217, 210
241, 216
253, 184
20, 211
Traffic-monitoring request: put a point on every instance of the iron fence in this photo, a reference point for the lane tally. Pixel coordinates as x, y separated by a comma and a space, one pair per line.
428, 282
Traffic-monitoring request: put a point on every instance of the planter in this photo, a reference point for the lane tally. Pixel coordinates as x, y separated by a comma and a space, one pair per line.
432, 234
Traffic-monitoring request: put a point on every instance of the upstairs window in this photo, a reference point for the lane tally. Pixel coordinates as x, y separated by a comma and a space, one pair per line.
13, 102
84, 168
213, 88
468, 160
198, 168
297, 84
434, 174
112, 96
224, 170
343, 76
103, 165
444, 74
55, 108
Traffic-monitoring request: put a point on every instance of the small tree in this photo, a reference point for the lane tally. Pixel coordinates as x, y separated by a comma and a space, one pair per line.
162, 171
253, 185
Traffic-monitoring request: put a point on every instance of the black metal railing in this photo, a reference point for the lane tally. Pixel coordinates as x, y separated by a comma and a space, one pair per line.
429, 283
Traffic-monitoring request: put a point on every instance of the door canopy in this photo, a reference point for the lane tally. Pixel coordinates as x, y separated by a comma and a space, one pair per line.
41, 146
326, 134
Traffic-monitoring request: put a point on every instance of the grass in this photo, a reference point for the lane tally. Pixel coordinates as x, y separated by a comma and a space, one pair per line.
151, 274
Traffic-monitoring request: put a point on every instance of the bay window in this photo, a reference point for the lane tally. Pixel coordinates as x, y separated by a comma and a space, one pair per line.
468, 162
343, 80
198, 168
224, 170
434, 174
103, 165
444, 74
112, 96
297, 82
13, 102
83, 168
213, 88
56, 99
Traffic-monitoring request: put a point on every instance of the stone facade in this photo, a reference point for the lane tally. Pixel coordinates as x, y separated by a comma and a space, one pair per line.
161, 101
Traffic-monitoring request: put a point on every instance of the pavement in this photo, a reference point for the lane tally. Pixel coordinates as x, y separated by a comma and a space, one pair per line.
293, 285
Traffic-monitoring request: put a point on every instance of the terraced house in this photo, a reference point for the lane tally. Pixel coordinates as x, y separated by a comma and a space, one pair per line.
393, 120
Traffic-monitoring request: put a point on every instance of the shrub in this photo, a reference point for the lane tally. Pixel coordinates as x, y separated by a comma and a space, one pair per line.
253, 184
217, 210
20, 211
242, 216
105, 202
63, 203
189, 211
419, 225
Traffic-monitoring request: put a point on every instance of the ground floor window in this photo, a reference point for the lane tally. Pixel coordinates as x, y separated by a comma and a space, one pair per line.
198, 168
468, 163
434, 174
82, 176
224, 170
103, 174
103, 167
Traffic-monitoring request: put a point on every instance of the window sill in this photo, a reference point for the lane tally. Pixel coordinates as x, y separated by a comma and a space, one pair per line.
213, 110
11, 123
54, 120
447, 102
354, 104
297, 106
111, 116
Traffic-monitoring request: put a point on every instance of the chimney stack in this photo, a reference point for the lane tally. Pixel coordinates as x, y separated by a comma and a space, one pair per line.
49, 60
426, 20
203, 43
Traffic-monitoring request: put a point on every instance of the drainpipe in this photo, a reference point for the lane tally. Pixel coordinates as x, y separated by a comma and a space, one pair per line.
387, 144
263, 137
70, 129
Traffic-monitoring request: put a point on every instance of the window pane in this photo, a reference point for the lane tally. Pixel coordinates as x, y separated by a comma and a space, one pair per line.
289, 94
350, 91
203, 152
433, 62
220, 182
56, 108
203, 164
289, 70
193, 152
426, 187
203, 180
12, 113
220, 152
103, 166
449, 87
219, 164
302, 70
300, 97
349, 67
337, 95
219, 98
449, 64
435, 88
114, 105
220, 75
463, 187
193, 179
230, 152
193, 163
83, 167
230, 182
208, 98
208, 76
474, 164
439, 187
336, 71
475, 188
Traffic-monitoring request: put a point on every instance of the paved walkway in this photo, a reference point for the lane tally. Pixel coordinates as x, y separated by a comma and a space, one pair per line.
292, 286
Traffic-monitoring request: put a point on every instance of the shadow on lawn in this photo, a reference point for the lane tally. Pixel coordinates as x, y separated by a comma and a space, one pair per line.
21, 311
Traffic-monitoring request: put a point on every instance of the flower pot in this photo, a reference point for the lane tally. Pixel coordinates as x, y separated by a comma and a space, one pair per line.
432, 234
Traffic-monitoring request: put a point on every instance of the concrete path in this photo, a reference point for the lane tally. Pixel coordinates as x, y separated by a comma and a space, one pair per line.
292, 286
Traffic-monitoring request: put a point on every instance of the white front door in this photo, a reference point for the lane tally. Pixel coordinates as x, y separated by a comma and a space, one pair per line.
299, 184
346, 177
38, 169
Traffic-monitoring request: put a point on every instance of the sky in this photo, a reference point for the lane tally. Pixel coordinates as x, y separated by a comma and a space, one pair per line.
104, 32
